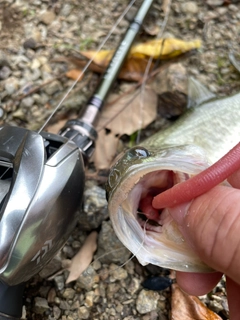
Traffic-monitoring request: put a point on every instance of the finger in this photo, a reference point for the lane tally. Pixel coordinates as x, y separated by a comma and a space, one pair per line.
234, 179
211, 226
233, 293
197, 284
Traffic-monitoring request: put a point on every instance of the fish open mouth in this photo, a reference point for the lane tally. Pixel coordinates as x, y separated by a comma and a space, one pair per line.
149, 186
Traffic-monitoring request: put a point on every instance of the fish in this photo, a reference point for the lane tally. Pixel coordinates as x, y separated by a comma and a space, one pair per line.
196, 140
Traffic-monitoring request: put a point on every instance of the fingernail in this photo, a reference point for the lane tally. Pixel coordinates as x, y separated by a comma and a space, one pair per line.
179, 212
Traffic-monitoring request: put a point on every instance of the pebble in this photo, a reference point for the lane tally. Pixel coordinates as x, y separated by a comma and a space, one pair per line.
40, 305
59, 282
3, 59
88, 279
5, 72
53, 87
117, 273
95, 207
89, 299
215, 2
83, 313
66, 10
190, 7
11, 85
68, 293
134, 286
27, 102
147, 301
47, 17
29, 44
56, 312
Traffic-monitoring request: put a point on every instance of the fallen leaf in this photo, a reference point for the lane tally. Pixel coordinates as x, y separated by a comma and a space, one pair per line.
129, 113
163, 48
105, 151
83, 258
157, 49
189, 307
74, 74
135, 65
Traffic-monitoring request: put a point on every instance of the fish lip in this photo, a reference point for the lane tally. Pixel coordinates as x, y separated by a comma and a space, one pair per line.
124, 229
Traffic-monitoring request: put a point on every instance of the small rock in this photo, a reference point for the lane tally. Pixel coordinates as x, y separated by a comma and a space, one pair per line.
133, 286
47, 17
27, 102
83, 313
88, 279
117, 273
3, 59
29, 44
35, 64
53, 87
5, 72
190, 7
95, 207
19, 114
56, 312
147, 301
89, 299
68, 293
51, 295
40, 305
66, 10
64, 305
59, 282
215, 2
11, 85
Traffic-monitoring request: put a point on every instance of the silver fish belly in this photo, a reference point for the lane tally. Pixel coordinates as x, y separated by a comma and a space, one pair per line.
199, 138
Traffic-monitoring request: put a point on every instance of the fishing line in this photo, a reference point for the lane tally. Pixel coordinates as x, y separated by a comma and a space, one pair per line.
150, 60
88, 64
126, 262
141, 245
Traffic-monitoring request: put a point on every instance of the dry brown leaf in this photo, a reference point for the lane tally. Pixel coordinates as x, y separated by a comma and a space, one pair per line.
189, 307
74, 74
105, 150
56, 127
128, 114
83, 258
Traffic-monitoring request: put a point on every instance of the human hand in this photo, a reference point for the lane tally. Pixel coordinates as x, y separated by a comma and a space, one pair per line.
211, 225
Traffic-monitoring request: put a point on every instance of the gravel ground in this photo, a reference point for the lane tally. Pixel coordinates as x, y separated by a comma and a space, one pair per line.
33, 34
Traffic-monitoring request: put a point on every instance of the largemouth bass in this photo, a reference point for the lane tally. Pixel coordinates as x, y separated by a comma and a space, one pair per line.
199, 138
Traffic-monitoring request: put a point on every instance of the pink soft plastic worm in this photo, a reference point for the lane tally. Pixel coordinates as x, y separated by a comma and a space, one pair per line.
201, 183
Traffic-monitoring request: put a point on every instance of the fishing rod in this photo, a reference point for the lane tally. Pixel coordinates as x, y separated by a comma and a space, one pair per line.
42, 183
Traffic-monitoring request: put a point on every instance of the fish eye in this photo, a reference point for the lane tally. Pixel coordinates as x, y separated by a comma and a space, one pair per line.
138, 152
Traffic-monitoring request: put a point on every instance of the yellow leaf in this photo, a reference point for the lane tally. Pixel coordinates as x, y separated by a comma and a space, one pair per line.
159, 48
163, 48
101, 58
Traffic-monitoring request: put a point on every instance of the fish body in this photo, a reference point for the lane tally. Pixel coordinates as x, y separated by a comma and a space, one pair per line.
199, 138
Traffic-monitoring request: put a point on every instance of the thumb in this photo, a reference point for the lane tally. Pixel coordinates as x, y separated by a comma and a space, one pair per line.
211, 225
